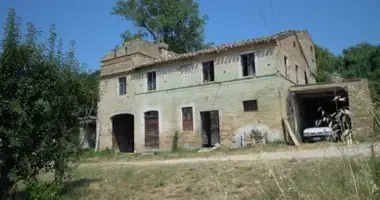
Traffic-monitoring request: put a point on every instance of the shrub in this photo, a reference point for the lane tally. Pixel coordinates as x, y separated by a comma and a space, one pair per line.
175, 142
44, 191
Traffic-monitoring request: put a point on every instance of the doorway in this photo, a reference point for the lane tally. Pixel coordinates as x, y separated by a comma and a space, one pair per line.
210, 128
123, 132
152, 139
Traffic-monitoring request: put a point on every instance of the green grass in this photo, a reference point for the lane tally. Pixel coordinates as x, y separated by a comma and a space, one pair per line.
110, 155
330, 179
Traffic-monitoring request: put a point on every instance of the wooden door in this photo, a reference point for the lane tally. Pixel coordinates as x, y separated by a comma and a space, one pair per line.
214, 127
152, 140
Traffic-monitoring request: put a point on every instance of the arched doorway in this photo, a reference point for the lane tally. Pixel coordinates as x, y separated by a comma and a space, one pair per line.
123, 132
152, 140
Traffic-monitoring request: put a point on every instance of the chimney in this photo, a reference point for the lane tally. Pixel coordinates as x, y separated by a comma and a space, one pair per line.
163, 49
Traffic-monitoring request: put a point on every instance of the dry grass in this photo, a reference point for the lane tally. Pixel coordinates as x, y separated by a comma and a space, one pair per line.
116, 156
342, 178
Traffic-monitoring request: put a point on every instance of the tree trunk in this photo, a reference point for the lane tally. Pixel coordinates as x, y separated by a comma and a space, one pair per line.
5, 183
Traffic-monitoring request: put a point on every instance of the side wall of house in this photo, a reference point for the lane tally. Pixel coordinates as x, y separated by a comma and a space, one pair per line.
181, 85
291, 48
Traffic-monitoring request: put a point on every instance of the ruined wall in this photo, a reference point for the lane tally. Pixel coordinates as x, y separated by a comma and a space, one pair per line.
361, 106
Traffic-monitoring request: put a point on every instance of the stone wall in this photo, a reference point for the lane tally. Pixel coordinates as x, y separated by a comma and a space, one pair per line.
180, 84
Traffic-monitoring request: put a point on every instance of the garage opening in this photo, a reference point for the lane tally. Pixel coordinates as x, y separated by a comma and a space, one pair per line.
210, 128
123, 132
152, 139
309, 105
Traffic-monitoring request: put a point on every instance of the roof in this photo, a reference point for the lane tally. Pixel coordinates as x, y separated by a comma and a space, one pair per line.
219, 48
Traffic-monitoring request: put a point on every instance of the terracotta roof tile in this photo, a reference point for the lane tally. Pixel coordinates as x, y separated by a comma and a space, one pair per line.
218, 48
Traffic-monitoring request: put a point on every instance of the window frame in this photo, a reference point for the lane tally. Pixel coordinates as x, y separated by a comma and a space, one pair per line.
118, 85
209, 70
286, 60
187, 124
149, 87
297, 69
249, 69
246, 106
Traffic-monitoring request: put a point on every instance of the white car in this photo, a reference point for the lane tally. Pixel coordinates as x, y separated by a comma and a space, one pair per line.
318, 133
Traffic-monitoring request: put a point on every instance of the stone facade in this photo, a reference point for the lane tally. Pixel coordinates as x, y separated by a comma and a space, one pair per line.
179, 83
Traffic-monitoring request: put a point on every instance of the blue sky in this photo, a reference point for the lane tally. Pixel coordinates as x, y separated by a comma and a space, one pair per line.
334, 24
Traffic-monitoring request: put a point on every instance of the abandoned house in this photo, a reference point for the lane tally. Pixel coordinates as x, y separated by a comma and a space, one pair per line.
215, 95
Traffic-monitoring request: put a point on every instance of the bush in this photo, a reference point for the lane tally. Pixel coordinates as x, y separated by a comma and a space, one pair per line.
175, 142
44, 191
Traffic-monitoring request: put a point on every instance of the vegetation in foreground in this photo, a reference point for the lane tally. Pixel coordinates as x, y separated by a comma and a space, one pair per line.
112, 155
44, 93
342, 178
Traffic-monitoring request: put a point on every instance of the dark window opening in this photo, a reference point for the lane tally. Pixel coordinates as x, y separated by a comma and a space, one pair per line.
250, 105
296, 73
122, 85
151, 81
306, 81
187, 119
294, 44
248, 64
286, 65
311, 48
208, 71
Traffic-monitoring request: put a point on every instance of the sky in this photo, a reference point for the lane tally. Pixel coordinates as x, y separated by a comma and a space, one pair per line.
334, 24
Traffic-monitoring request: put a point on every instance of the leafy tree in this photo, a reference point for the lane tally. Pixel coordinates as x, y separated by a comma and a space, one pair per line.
358, 61
327, 62
43, 93
176, 23
363, 61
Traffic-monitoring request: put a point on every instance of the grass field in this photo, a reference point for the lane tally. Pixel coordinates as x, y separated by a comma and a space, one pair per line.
340, 178
109, 155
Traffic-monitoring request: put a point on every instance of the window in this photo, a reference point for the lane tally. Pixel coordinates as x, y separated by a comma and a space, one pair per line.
187, 119
311, 48
122, 86
208, 71
294, 44
296, 73
151, 80
306, 81
286, 65
248, 64
250, 105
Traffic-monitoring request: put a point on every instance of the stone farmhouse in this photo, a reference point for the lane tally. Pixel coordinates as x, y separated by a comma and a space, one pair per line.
216, 95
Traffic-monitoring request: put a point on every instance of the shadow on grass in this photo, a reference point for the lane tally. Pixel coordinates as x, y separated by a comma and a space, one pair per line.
80, 183
69, 186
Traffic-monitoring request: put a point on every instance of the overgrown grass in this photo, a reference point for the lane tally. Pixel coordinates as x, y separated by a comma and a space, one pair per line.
110, 155
330, 179
89, 153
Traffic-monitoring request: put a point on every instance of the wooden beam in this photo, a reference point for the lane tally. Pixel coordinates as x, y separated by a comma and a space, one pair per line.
290, 132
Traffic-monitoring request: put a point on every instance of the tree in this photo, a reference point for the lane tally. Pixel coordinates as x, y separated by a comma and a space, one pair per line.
363, 61
42, 95
327, 62
176, 23
358, 61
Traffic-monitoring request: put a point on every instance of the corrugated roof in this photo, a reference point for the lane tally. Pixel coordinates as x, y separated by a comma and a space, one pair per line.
219, 48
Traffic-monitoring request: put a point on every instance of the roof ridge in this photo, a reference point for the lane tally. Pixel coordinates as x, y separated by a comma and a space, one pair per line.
221, 48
